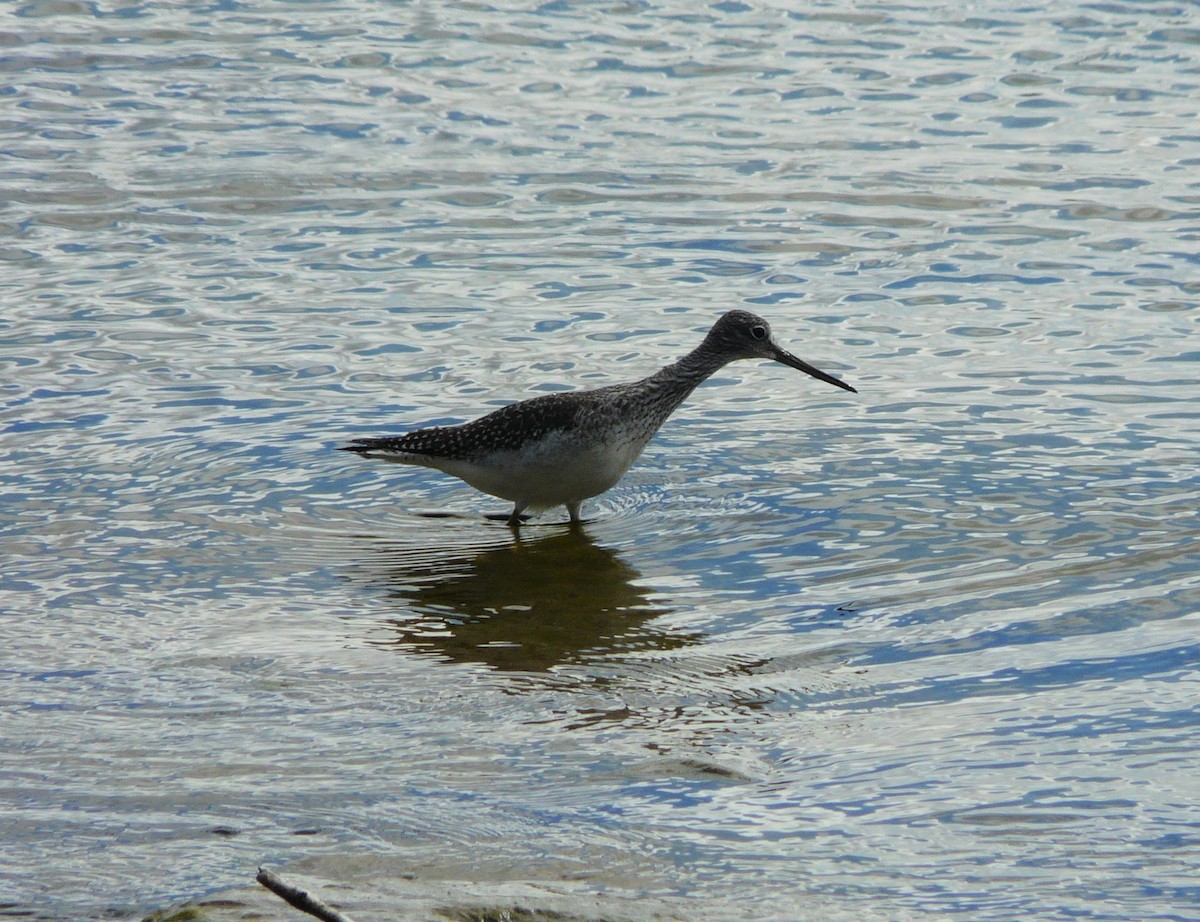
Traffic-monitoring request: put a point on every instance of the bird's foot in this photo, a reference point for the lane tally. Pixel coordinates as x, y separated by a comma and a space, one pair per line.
514, 521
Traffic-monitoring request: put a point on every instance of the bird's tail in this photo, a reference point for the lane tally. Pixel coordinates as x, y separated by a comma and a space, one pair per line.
387, 449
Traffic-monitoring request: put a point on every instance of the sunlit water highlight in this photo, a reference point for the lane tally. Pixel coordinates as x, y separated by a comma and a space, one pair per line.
927, 650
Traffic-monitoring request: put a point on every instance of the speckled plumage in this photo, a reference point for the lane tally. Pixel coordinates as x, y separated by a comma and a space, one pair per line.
560, 449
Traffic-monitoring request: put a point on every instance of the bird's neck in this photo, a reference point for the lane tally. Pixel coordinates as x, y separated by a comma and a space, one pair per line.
676, 381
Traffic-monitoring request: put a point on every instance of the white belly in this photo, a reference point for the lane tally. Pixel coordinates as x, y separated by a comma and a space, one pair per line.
553, 472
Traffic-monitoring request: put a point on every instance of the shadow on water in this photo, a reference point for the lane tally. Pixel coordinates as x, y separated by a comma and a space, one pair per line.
529, 604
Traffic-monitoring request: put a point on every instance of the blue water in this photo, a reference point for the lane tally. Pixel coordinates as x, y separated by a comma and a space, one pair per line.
925, 650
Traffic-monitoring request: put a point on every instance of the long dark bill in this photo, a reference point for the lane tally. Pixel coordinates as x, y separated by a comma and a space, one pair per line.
782, 355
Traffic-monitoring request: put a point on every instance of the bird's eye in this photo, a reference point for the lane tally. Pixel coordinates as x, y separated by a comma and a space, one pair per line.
758, 332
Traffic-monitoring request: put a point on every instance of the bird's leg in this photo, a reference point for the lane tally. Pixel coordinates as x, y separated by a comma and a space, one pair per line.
514, 520
573, 510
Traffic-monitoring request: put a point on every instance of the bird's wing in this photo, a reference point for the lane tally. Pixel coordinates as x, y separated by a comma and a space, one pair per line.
506, 429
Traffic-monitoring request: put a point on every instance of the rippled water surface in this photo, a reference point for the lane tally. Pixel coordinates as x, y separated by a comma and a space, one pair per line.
925, 650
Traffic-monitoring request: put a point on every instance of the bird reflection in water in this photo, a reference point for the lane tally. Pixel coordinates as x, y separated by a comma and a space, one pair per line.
526, 605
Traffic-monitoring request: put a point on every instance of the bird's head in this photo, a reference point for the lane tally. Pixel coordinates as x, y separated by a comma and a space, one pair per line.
743, 335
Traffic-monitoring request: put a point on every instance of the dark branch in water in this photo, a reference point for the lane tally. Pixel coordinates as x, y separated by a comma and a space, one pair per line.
301, 899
